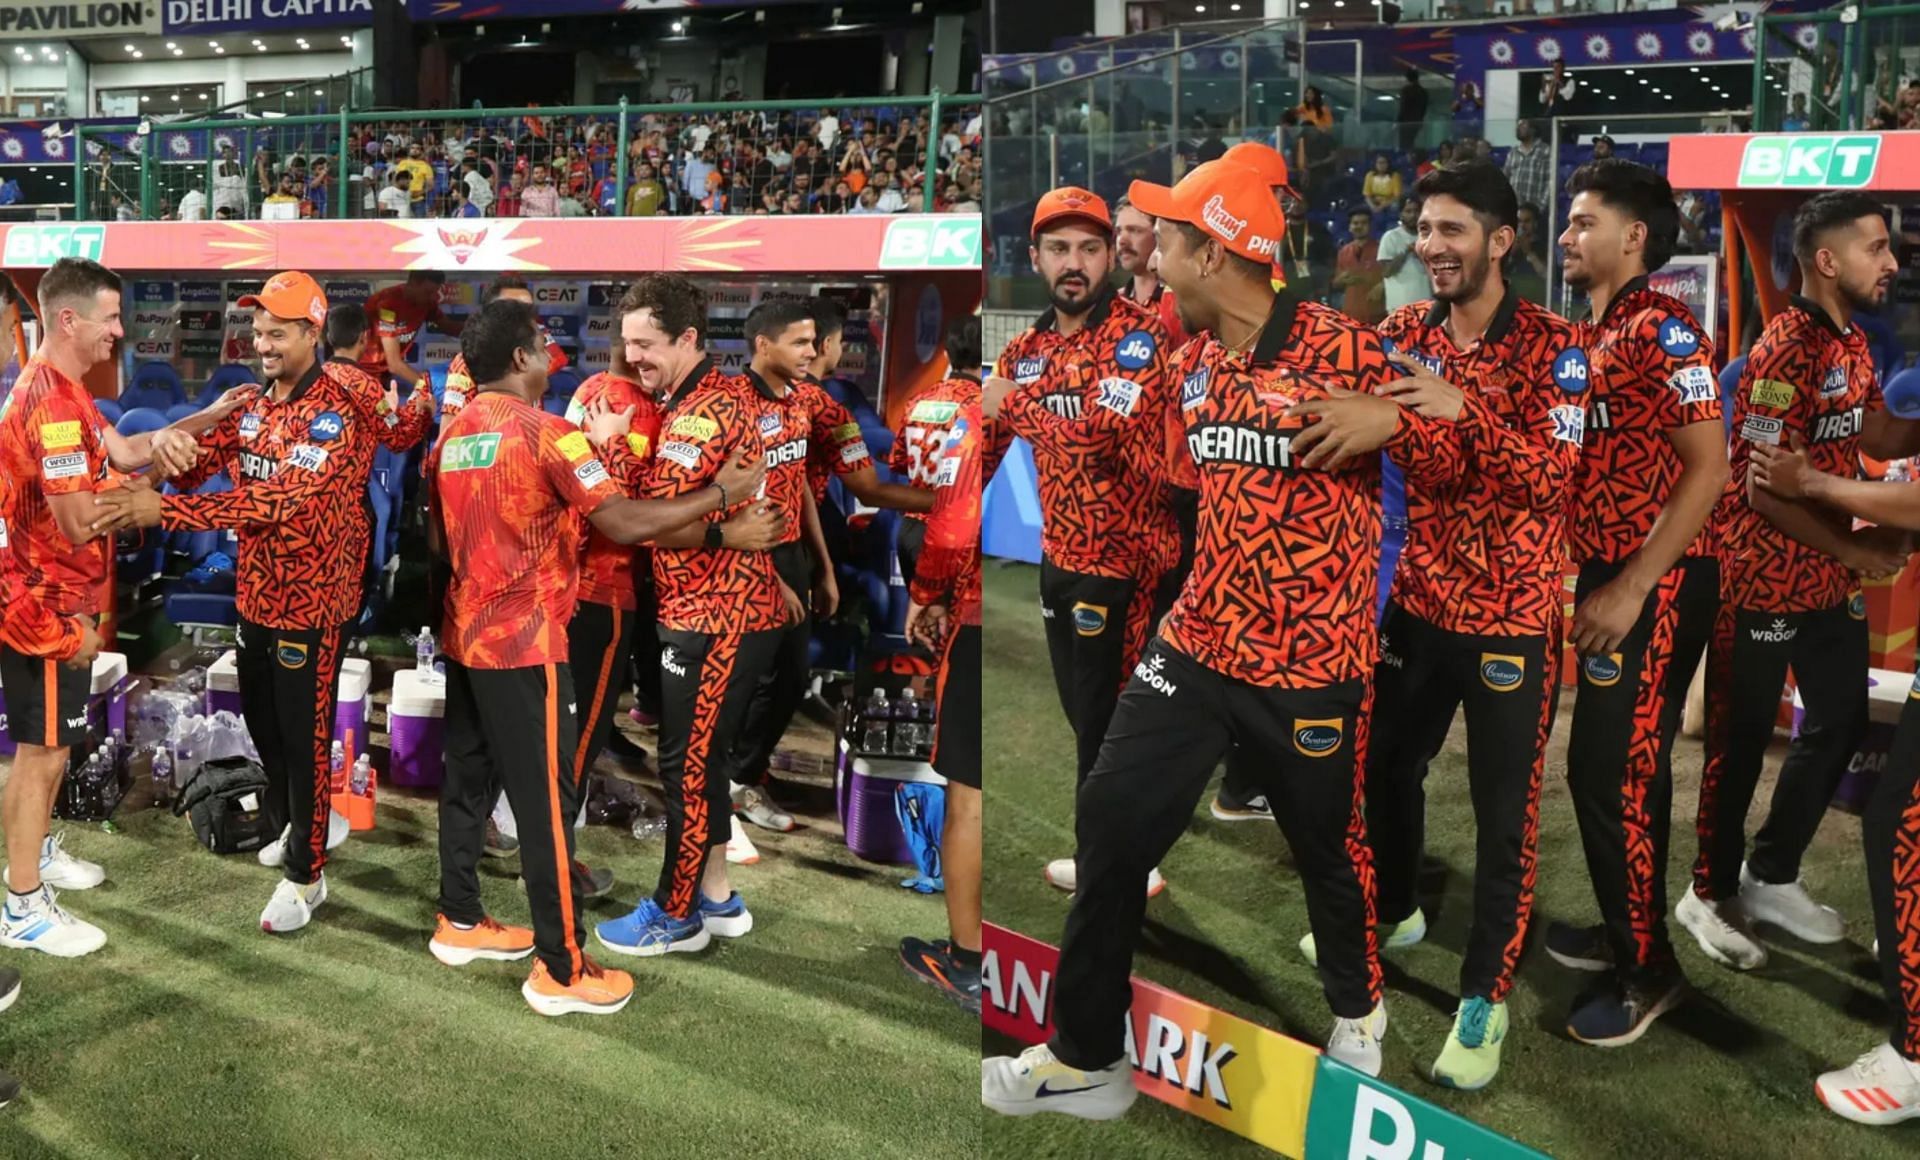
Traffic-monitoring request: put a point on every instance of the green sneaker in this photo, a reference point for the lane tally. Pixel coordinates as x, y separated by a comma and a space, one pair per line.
1471, 1057
1396, 936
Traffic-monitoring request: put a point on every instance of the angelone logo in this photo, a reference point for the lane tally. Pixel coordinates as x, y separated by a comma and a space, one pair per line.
1221, 222
1318, 738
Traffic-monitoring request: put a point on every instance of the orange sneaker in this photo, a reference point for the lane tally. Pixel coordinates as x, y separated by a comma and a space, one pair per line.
598, 991
487, 940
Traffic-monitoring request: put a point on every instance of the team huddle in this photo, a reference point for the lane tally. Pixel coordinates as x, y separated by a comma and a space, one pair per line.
1211, 592
672, 514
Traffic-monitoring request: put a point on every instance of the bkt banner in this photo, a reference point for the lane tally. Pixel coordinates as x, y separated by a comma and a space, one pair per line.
205, 16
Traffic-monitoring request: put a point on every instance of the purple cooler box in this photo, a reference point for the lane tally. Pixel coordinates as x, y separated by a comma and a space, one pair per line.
106, 704
1886, 694
864, 790
349, 720
414, 729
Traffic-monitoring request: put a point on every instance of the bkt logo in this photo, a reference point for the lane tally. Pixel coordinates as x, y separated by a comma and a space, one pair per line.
1811, 161
925, 242
43, 245
1841, 425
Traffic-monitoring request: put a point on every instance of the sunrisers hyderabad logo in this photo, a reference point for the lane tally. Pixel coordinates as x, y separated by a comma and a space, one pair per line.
462, 244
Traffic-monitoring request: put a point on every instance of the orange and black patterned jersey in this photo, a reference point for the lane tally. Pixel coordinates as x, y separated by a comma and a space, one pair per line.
785, 425
513, 486
1286, 559
398, 429
26, 625
299, 501
921, 438
1805, 379
949, 567
391, 314
1486, 553
606, 568
714, 590
835, 445
53, 442
1319, 335
1094, 406
1651, 368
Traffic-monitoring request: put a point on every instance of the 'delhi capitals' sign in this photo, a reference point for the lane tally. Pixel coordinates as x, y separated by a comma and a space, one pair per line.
202, 16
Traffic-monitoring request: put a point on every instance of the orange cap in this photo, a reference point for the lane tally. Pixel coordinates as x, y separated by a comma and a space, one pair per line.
1230, 202
290, 294
1070, 201
1262, 159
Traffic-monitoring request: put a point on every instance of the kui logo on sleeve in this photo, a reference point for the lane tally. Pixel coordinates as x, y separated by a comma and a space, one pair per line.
1835, 384
1028, 369
1318, 738
1193, 389
770, 426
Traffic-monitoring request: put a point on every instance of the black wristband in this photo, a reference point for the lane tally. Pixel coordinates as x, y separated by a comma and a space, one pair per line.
715, 537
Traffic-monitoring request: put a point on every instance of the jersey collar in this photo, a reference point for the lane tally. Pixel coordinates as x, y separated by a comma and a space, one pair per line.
1634, 286
1278, 329
761, 387
694, 378
1819, 314
1497, 329
305, 384
1102, 306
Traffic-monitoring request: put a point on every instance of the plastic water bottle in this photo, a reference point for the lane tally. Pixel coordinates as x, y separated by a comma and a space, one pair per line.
923, 738
875, 715
906, 728
336, 764
362, 774
162, 776
423, 650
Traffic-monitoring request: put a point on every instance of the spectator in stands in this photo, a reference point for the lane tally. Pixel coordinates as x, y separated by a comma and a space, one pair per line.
1413, 110
1796, 120
966, 201
1527, 166
1602, 147
1556, 89
224, 214
699, 166
855, 165
263, 179
1313, 167
841, 200
1468, 112
319, 188
193, 204
772, 198
396, 200
1693, 222
646, 195
891, 200
419, 178
286, 192
1357, 272
740, 194
479, 191
1404, 271
1314, 110
463, 206
1307, 252
1527, 260
540, 199
869, 201
826, 131
507, 203
1382, 187
229, 183
778, 156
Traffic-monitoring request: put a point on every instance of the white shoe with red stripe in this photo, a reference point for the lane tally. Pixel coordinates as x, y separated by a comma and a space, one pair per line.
1882, 1087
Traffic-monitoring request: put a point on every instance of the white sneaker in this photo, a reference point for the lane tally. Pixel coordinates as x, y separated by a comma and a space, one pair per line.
292, 905
1034, 1081
740, 849
1721, 930
1790, 908
1356, 1042
38, 922
753, 802
1062, 876
274, 853
62, 870
1882, 1087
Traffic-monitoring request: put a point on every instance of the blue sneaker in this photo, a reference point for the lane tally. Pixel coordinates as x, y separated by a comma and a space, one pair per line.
651, 931
729, 919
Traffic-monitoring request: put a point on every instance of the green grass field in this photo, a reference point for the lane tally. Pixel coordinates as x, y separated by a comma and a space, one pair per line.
1730, 1074
194, 1034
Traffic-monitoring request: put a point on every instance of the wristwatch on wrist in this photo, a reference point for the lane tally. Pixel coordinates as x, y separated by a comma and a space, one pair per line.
715, 537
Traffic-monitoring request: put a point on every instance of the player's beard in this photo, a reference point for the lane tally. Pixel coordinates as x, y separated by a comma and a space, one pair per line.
1073, 300
1867, 300
1474, 269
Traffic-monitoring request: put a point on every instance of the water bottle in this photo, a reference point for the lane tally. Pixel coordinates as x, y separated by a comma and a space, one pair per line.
336, 765
875, 715
924, 740
649, 821
162, 776
362, 774
906, 728
423, 650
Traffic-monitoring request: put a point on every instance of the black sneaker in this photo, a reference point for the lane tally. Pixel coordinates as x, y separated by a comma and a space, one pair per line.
933, 964
1227, 808
591, 883
1617, 1012
499, 845
1579, 948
